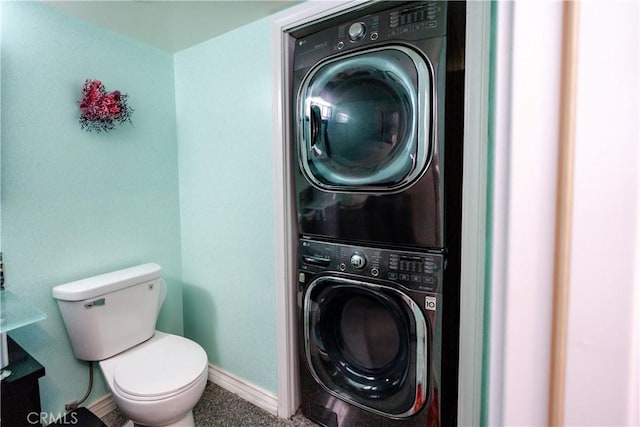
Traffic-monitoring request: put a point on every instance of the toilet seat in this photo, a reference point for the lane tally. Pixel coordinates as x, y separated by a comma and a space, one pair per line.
160, 368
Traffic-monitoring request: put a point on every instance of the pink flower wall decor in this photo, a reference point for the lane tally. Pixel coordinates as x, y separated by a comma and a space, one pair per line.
101, 110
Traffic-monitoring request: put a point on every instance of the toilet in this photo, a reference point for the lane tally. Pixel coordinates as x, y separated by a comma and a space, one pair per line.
155, 378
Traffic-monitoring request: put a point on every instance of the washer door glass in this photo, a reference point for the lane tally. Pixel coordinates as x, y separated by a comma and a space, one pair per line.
366, 344
364, 120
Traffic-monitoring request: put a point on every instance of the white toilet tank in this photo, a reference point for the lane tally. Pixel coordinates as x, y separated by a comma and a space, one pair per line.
107, 314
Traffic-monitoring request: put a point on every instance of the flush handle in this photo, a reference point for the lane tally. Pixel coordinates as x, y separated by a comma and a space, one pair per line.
95, 303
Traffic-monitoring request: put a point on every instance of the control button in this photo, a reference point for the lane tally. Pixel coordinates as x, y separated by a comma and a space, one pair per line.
416, 278
357, 31
342, 266
404, 276
375, 272
374, 36
393, 262
340, 45
358, 261
393, 276
429, 266
317, 260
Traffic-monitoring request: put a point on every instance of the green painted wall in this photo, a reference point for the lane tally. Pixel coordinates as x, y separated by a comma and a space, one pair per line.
224, 115
0, 128
75, 204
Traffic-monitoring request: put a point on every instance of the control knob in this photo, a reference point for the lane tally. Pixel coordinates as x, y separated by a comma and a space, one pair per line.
358, 261
356, 31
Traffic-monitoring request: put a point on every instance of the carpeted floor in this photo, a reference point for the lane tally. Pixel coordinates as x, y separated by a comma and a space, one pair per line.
220, 408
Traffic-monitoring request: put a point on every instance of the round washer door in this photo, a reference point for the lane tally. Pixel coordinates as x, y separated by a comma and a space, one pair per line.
367, 345
364, 120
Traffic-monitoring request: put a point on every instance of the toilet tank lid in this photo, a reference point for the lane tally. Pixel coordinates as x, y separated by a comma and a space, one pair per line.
105, 283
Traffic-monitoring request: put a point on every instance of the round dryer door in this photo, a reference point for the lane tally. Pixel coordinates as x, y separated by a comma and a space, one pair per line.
367, 345
364, 120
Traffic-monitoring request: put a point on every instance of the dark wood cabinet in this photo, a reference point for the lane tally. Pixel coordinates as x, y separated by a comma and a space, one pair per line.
21, 391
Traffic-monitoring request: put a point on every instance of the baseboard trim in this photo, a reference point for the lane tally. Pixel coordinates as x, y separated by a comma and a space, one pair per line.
250, 392
103, 406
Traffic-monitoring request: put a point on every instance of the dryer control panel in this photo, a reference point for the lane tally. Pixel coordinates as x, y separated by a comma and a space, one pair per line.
410, 21
420, 271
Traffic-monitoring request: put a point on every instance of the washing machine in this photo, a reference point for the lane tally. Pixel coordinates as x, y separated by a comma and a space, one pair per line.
370, 335
368, 125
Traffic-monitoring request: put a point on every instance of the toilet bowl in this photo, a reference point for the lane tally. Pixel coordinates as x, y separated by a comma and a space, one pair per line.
158, 382
155, 378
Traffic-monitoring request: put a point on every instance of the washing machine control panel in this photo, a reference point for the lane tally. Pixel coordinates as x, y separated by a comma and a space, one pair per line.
421, 271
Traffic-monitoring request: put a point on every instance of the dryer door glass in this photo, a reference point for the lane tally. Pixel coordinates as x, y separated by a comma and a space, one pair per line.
359, 120
365, 344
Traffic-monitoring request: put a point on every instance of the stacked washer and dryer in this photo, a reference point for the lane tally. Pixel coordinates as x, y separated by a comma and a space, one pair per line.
377, 131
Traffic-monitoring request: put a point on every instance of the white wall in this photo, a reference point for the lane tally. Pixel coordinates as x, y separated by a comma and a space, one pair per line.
525, 155
602, 365
605, 223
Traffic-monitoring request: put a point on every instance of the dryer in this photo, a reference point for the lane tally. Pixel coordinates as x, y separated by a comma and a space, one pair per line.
370, 335
368, 125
